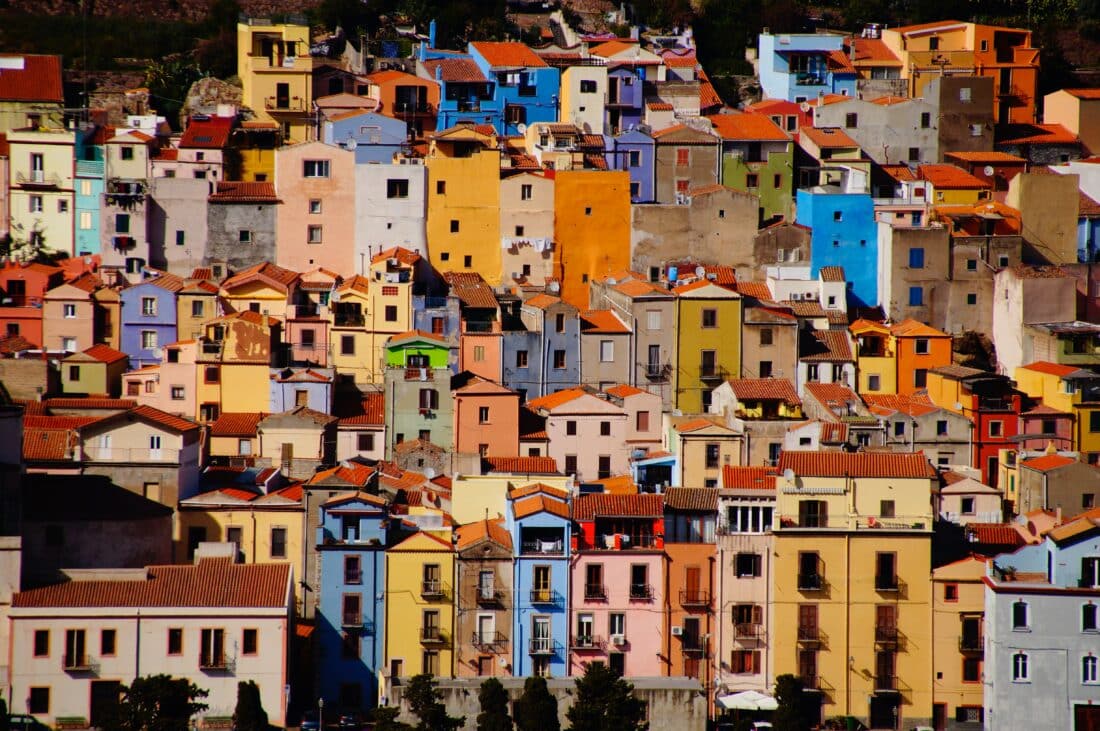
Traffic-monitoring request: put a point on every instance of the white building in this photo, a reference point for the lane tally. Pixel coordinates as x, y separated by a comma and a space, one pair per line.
391, 207
214, 623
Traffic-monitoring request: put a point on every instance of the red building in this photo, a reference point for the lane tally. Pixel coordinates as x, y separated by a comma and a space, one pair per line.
23, 286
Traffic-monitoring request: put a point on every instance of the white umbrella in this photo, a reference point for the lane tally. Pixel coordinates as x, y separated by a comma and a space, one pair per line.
748, 700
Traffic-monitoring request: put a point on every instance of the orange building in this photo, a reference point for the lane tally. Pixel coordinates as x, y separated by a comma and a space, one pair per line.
406, 97
918, 349
486, 417
591, 229
691, 549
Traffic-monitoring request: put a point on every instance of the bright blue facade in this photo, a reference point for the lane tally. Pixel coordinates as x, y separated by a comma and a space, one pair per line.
540, 624
528, 353
148, 307
351, 543
287, 383
1088, 238
89, 184
635, 152
844, 234
799, 66
522, 95
377, 137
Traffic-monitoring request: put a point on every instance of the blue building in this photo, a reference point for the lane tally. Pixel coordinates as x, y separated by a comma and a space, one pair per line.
625, 97
89, 183
1088, 230
635, 152
540, 346
374, 137
351, 544
799, 66
149, 317
538, 520
844, 234
310, 387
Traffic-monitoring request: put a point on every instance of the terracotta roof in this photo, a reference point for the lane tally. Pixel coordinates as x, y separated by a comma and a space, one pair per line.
531, 425
910, 328
924, 27
602, 321
959, 372
1035, 134
624, 390
536, 488
1087, 206
90, 403
708, 95
10, 344
368, 411
162, 418
686, 427
831, 393
490, 530
236, 424
828, 138
414, 335
754, 127
209, 133
993, 156
542, 301
949, 177
1047, 462
857, 464
618, 485
873, 51
831, 274
210, 583
994, 534
638, 288
47, 445
352, 473
900, 173
105, 353
508, 54
748, 478
601, 505
837, 60
539, 504
836, 347
60, 421
453, 69
834, 432
765, 389
521, 465
471, 289
673, 60
1053, 369
404, 256
659, 106
388, 75
887, 404
38, 81
358, 283
693, 499
552, 401
263, 270
612, 48
244, 192
758, 290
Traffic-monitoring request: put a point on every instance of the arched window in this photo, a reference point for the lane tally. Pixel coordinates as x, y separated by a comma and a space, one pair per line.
1020, 667
1088, 669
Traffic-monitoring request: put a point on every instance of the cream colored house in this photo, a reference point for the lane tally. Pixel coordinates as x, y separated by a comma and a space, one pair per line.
527, 228
41, 195
475, 496
298, 441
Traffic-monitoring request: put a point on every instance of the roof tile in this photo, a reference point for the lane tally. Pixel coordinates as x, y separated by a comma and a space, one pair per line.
602, 505
858, 464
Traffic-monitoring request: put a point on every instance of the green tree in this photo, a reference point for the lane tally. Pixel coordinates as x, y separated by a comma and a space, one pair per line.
791, 713
605, 701
494, 707
158, 703
424, 702
536, 709
168, 83
385, 719
250, 714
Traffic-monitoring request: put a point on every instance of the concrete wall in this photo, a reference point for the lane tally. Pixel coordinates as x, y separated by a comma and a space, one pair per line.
224, 223
178, 205
1048, 206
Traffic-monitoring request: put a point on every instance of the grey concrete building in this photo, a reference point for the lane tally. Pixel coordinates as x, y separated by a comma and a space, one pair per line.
607, 348
889, 131
686, 159
780, 243
965, 112
540, 345
240, 223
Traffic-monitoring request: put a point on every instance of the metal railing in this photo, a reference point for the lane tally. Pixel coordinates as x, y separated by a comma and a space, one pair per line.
432, 636
712, 373
488, 640
37, 177
541, 646
287, 104
349, 619
971, 643
214, 662
887, 583
77, 663
595, 591
886, 681
641, 591
587, 642
810, 582
20, 300
489, 595
810, 635
543, 547
695, 597
130, 454
348, 319
545, 596
433, 588
886, 635
749, 631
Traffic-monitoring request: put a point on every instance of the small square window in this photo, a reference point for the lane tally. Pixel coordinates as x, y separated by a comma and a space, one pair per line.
314, 234
244, 236
971, 299
440, 187
454, 225
467, 261
588, 211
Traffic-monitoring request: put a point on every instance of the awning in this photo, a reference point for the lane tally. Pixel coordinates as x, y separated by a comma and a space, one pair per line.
748, 700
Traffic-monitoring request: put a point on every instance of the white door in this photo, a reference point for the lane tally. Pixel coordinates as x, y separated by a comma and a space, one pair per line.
154, 447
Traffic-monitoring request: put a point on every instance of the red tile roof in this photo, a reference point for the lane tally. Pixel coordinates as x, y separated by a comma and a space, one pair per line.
539, 504
764, 389
209, 133
887, 404
536, 488
1035, 134
89, 403
244, 192
47, 445
857, 464
828, 138
708, 95
453, 69
541, 301
949, 177
834, 432
874, 51
471, 289
692, 499
602, 321
236, 424
590, 507
491, 530
1052, 369
39, 80
552, 401
352, 473
686, 427
522, 465
756, 127
1047, 462
44, 421
831, 274
212, 583
994, 534
837, 60
1087, 206
105, 353
836, 346
624, 390
264, 270
369, 411
1084, 93
748, 478
10, 344
404, 256
993, 157
508, 54
831, 394
161, 418
757, 290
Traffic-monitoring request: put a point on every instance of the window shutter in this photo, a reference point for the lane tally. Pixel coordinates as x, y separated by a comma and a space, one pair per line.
757, 614
960, 714
755, 662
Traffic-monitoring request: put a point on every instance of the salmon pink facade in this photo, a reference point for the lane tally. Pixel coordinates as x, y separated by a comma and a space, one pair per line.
486, 417
23, 288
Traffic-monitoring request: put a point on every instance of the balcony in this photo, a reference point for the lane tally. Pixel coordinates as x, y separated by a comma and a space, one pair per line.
20, 300
641, 592
971, 643
545, 596
887, 584
433, 589
402, 107
420, 374
810, 582
695, 598
78, 664
89, 168
432, 636
657, 373
811, 636
693, 646
349, 319
886, 681
543, 547
37, 179
712, 373
808, 79
215, 663
749, 631
351, 620
137, 455
587, 642
886, 635
489, 641
284, 104
303, 311
469, 105
489, 596
595, 592
541, 646
810, 681
620, 541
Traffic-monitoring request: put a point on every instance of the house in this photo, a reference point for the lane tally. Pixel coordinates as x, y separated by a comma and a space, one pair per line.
524, 86
838, 405
40, 183
361, 429
1076, 110
591, 223
526, 228
418, 385
843, 234
201, 149
633, 150
297, 441
406, 97
685, 158
276, 73
583, 94
629, 67
757, 157
952, 185
824, 357
915, 424
395, 274
765, 407
241, 226
350, 622
236, 620
539, 521
1054, 481
484, 596
97, 370
703, 446
1040, 144
235, 356
540, 345
801, 66
235, 436
602, 332
587, 433
196, 302
420, 608
618, 583
24, 287
1039, 605
880, 551
125, 204
311, 177
964, 500
1068, 397
392, 207
997, 169
149, 317
312, 387
643, 422
373, 137
31, 94
486, 417
703, 309
830, 158
958, 643
868, 122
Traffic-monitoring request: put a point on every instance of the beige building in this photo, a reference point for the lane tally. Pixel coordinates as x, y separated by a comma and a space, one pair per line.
97, 370
527, 228
1078, 110
958, 643
704, 446
40, 181
583, 91
1048, 206
769, 343
298, 441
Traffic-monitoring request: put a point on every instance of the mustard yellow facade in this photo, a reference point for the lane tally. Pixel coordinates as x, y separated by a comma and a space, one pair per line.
708, 342
876, 364
464, 203
1051, 383
475, 496
352, 348
276, 73
270, 300
958, 640
389, 309
420, 606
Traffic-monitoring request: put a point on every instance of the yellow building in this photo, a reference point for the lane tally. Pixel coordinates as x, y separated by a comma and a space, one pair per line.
263, 288
704, 446
708, 342
592, 227
196, 303
876, 367
853, 535
1070, 390
954, 186
475, 496
234, 363
420, 606
276, 73
464, 201
351, 341
97, 370
958, 640
266, 527
389, 304
40, 183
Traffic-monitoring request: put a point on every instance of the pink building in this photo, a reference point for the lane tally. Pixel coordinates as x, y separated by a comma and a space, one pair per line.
316, 222
479, 350
587, 434
486, 417
170, 386
309, 318
643, 416
1047, 425
618, 584
22, 290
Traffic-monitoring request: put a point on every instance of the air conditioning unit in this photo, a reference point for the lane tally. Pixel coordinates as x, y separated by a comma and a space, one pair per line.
620, 640
795, 296
677, 631
812, 296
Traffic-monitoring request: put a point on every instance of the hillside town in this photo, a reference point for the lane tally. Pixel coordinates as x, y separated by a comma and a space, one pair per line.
509, 360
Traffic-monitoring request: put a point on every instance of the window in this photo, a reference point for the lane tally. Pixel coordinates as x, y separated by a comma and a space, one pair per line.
347, 345
526, 191
925, 120
149, 339
175, 641
570, 464
607, 352
914, 154
74, 373
315, 168
747, 564
916, 296
1019, 668
429, 398
1088, 670
916, 258
483, 415
605, 428
745, 662
767, 336
683, 157
85, 221
244, 236
177, 393
964, 94
521, 359
886, 508
249, 641
972, 670
314, 206
899, 428
278, 542
635, 158
851, 120
559, 359
996, 428
1090, 571
752, 180
397, 188
38, 701
874, 382
588, 86
710, 318
712, 451
353, 573
920, 377
951, 592
454, 225
1020, 616
314, 234
1090, 618
41, 643
777, 181
966, 506
391, 313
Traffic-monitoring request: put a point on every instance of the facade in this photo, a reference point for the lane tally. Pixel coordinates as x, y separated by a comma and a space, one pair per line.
24, 286
420, 604
483, 599
317, 217
591, 229
418, 385
800, 66
958, 624
703, 310
40, 194
757, 157
149, 318
241, 224
587, 433
276, 73
690, 516
843, 234
685, 159
540, 346
97, 370
486, 417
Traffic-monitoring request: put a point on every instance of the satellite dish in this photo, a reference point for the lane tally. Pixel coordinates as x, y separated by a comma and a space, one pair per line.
805, 107
700, 272
554, 287
521, 128
788, 475
988, 170
429, 472
351, 144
